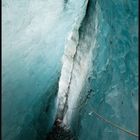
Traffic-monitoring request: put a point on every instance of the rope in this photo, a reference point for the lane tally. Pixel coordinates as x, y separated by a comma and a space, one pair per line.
114, 125
107, 121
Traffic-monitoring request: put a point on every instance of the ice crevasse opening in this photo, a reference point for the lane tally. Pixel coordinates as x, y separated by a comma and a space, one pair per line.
72, 60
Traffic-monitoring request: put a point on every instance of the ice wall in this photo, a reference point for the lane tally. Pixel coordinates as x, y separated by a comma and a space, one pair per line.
100, 67
108, 48
33, 40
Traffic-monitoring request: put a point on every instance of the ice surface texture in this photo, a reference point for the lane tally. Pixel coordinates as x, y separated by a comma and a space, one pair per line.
110, 30
105, 67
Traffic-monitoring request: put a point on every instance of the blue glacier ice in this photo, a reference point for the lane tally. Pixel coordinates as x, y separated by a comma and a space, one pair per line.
34, 34
78, 56
110, 31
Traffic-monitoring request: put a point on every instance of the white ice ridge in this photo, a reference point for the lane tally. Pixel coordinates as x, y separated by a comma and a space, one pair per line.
68, 68
75, 70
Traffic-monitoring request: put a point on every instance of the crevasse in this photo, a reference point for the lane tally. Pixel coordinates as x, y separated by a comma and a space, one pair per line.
98, 40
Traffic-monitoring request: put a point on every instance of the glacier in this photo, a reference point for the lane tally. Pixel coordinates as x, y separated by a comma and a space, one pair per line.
73, 60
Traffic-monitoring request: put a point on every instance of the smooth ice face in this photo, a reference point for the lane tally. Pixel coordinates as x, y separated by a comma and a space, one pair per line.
34, 34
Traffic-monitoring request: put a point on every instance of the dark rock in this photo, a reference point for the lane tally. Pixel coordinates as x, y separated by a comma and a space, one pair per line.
60, 132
